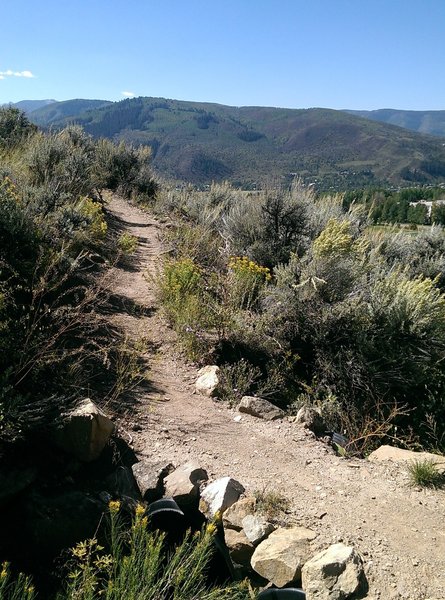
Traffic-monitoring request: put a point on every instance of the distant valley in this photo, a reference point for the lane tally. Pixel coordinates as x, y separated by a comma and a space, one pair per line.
250, 146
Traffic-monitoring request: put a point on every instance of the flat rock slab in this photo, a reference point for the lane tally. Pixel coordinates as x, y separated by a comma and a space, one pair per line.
401, 455
234, 515
258, 407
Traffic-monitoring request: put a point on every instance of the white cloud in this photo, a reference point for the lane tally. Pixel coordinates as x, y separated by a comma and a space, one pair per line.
10, 73
128, 94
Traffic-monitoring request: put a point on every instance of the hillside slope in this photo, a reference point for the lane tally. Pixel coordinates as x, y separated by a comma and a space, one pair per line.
423, 121
200, 142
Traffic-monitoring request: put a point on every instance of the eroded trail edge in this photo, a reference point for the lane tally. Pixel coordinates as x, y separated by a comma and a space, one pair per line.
398, 530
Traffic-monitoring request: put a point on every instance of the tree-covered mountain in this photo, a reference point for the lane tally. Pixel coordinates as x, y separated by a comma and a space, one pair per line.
423, 121
201, 142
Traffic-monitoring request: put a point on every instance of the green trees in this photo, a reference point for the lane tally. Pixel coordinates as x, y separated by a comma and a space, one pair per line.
14, 127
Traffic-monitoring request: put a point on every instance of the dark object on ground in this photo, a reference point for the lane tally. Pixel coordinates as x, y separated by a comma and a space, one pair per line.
284, 594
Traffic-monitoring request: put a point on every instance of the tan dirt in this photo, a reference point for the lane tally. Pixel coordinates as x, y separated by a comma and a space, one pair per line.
398, 530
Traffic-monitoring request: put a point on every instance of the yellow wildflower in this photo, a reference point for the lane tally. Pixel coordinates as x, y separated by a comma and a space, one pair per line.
114, 506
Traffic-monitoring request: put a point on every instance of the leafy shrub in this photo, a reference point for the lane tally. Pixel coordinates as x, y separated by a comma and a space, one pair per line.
237, 380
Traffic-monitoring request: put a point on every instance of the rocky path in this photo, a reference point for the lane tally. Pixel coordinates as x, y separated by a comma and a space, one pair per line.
400, 531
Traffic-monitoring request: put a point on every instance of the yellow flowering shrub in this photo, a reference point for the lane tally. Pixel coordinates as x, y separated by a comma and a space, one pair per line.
245, 281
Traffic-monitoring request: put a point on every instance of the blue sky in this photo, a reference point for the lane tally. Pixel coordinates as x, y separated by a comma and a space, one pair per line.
360, 54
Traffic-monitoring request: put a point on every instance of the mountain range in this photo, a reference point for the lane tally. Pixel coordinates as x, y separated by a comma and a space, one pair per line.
200, 142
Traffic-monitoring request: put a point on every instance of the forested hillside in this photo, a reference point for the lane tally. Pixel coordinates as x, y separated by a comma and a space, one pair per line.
200, 143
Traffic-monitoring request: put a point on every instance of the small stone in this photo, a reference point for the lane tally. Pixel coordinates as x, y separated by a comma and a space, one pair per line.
258, 407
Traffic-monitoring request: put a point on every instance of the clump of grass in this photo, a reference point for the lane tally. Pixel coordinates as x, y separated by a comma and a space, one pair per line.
271, 504
426, 473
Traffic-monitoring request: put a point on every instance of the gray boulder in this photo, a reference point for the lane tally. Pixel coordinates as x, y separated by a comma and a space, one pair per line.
258, 407
85, 431
334, 574
219, 495
282, 555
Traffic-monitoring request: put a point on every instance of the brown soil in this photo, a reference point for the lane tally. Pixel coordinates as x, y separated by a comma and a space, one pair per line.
399, 530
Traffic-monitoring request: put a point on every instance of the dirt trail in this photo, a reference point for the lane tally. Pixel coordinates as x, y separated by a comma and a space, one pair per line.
400, 531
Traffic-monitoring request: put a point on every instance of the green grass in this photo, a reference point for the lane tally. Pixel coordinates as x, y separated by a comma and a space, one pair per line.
426, 474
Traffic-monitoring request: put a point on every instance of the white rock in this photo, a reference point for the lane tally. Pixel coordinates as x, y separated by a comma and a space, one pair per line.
256, 528
220, 495
207, 381
334, 574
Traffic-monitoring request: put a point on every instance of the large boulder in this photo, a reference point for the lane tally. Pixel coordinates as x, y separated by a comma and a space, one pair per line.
282, 555
219, 495
150, 478
334, 574
240, 548
257, 528
208, 380
183, 484
258, 407
85, 431
400, 455
234, 515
